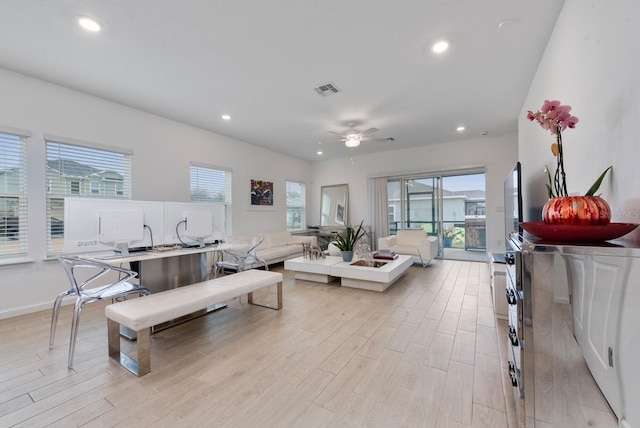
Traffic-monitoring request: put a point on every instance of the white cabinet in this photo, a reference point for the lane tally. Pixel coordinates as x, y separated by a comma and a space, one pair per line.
556, 373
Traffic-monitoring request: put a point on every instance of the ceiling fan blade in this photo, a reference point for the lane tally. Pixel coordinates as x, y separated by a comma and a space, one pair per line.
336, 133
368, 131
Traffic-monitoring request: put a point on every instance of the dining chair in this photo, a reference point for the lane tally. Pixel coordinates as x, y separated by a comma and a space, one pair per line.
240, 262
84, 276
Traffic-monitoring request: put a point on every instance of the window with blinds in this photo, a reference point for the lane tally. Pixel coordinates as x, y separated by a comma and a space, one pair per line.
80, 169
296, 206
13, 193
209, 184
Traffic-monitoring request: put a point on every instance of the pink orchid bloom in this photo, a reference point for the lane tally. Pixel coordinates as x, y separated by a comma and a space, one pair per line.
553, 116
549, 106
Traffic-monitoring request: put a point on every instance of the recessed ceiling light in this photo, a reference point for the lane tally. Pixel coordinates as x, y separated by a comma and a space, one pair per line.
319, 152
226, 117
89, 24
460, 128
440, 46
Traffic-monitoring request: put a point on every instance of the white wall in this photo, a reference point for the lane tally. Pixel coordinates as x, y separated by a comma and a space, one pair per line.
497, 155
592, 63
160, 165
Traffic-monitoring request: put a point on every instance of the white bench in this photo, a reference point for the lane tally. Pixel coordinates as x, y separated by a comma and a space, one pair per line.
142, 313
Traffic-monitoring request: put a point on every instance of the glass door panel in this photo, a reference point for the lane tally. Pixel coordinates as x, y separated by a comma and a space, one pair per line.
451, 207
422, 204
415, 203
463, 219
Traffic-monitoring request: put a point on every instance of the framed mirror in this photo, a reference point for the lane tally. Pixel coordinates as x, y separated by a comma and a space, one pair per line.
334, 205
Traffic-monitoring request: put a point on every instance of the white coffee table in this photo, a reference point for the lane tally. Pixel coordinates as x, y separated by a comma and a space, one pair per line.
371, 278
318, 270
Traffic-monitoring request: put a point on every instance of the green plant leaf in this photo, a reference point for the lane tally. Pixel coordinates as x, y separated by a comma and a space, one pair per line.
549, 185
347, 241
593, 189
550, 191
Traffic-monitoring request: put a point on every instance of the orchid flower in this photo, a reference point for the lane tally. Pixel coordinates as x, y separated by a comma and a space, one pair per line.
555, 118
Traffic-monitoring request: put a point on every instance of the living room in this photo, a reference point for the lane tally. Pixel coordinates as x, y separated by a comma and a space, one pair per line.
589, 63
160, 164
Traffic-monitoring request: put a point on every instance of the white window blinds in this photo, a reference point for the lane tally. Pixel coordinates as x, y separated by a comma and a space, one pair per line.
78, 170
13, 193
208, 184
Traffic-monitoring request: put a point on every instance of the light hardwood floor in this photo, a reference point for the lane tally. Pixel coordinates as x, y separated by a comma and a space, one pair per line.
423, 354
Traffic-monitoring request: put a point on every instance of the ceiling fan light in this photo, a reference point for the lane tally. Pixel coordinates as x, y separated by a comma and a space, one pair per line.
352, 142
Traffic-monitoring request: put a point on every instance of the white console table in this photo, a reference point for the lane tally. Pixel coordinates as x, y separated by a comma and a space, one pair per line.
603, 317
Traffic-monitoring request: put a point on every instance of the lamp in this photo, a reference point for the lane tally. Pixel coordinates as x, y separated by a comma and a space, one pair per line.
352, 141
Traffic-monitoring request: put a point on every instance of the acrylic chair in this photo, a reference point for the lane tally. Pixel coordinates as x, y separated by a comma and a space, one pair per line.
82, 275
240, 262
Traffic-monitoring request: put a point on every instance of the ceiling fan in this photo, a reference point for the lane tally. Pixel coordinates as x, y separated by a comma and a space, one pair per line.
353, 138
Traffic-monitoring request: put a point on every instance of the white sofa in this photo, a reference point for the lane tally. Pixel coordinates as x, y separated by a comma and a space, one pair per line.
279, 246
416, 243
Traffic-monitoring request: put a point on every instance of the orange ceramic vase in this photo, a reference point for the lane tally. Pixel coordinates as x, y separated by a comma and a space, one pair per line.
577, 211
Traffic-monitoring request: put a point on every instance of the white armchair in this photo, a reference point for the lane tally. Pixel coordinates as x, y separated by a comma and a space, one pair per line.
333, 250
411, 242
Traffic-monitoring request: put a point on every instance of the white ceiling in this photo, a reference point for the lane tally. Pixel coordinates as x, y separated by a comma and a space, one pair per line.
260, 60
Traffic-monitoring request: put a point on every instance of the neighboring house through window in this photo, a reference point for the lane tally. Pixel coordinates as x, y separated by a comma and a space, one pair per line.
78, 168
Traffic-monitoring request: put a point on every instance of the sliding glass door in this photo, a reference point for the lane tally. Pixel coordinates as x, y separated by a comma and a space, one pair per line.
450, 206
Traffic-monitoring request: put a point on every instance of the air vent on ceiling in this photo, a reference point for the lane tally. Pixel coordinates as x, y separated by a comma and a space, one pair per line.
327, 89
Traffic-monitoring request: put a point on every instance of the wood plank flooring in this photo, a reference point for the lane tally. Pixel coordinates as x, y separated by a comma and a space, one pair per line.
423, 354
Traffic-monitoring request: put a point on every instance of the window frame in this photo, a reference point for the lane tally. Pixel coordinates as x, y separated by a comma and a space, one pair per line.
84, 160
300, 209
74, 187
15, 141
216, 187
94, 188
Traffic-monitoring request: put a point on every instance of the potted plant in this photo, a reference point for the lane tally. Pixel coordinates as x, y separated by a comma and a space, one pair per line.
561, 208
449, 235
347, 241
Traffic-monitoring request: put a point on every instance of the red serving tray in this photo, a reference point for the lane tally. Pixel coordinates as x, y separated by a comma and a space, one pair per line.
573, 233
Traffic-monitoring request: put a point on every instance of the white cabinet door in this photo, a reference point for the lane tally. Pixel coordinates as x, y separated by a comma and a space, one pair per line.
598, 287
628, 349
